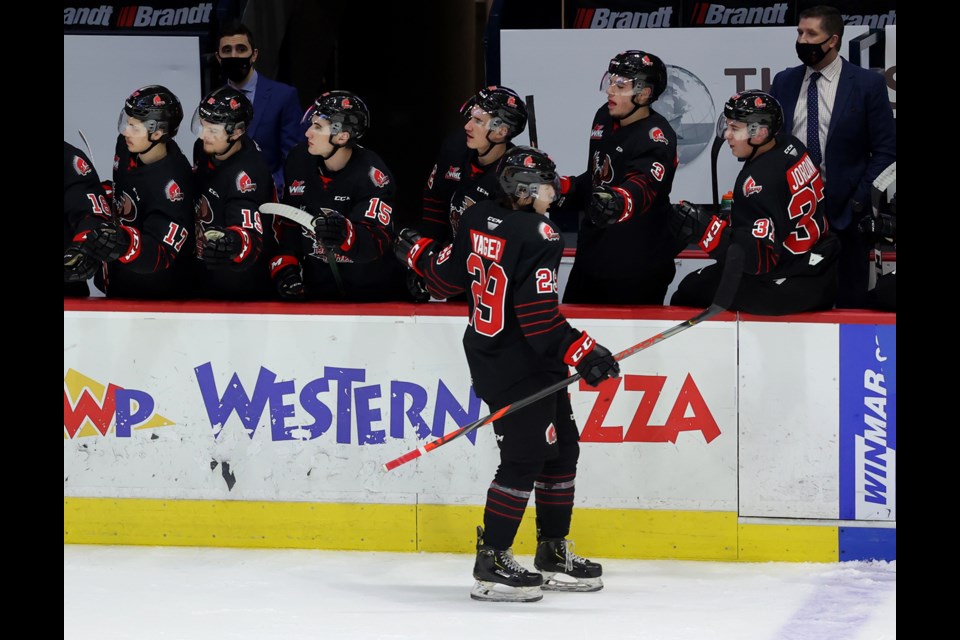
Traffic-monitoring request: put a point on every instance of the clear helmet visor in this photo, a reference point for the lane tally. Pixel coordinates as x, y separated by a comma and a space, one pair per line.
206, 130
617, 85
735, 129
548, 190
318, 120
130, 126
484, 119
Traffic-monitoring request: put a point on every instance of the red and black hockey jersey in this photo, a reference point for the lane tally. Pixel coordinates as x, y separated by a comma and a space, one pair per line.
85, 204
155, 205
457, 181
363, 192
777, 217
507, 263
229, 195
640, 158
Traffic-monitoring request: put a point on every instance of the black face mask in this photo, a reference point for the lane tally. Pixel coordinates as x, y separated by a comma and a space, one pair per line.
235, 69
811, 54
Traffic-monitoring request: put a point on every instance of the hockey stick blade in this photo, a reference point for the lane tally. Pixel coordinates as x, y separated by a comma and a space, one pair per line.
729, 281
304, 219
532, 122
299, 216
886, 178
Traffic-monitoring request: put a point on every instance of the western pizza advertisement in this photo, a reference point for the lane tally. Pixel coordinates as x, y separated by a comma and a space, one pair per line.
272, 407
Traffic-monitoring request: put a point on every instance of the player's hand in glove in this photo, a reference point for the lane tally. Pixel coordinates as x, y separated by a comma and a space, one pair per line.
334, 232
593, 361
609, 205
410, 248
106, 243
691, 223
289, 282
225, 246
416, 287
77, 266
875, 229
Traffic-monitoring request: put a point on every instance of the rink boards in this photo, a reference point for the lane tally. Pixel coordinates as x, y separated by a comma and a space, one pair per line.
268, 425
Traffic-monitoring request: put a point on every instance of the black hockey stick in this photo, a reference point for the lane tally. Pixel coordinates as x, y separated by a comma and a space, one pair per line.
714, 154
304, 219
878, 189
532, 122
729, 282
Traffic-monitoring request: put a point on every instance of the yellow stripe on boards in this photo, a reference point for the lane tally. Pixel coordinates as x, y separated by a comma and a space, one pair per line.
229, 523
601, 533
788, 543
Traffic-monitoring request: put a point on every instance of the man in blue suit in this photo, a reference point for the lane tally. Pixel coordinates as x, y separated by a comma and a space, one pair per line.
843, 114
276, 107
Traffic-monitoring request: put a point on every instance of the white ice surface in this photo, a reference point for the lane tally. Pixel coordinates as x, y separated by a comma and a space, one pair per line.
182, 593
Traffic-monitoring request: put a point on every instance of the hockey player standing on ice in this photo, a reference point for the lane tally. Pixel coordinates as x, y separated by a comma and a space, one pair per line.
233, 180
149, 254
350, 191
465, 171
85, 207
506, 255
790, 258
624, 248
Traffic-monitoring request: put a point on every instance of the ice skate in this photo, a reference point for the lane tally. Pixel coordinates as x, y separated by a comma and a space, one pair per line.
563, 570
500, 578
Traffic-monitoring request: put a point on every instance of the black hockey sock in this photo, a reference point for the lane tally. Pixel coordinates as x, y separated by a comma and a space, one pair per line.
502, 515
554, 504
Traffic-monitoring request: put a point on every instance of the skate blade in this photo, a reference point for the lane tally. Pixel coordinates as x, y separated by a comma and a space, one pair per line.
496, 592
578, 585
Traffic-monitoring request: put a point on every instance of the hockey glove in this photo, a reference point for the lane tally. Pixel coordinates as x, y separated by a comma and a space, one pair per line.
225, 246
410, 248
334, 232
77, 266
416, 287
692, 223
874, 229
289, 282
593, 361
107, 243
609, 205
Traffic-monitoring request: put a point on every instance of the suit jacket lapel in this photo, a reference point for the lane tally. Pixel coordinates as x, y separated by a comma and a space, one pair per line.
844, 90
791, 95
260, 100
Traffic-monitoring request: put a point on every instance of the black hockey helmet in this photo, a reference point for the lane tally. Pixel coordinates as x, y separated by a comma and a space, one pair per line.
644, 69
523, 169
504, 106
755, 109
226, 106
156, 107
345, 111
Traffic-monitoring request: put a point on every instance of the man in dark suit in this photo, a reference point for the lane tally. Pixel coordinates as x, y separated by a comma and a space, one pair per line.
276, 107
843, 114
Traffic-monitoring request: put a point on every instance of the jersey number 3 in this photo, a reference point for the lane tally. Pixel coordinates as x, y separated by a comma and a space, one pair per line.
489, 289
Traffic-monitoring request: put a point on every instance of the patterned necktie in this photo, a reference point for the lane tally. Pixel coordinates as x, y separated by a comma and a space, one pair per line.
813, 119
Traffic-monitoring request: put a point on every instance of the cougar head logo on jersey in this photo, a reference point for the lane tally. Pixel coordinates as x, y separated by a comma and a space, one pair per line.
173, 192
378, 177
81, 166
551, 434
457, 212
127, 207
751, 187
657, 135
204, 211
602, 171
245, 184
